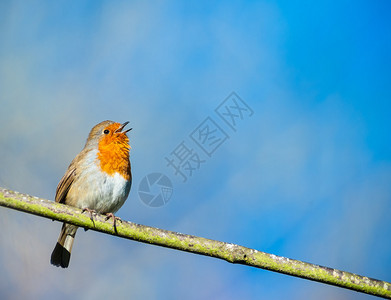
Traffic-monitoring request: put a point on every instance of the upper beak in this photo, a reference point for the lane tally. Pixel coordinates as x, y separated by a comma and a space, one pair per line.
122, 127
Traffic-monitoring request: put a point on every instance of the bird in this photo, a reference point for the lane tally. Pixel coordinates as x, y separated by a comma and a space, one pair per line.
97, 180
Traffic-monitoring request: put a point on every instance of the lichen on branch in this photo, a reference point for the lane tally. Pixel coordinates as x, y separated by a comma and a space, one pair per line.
229, 252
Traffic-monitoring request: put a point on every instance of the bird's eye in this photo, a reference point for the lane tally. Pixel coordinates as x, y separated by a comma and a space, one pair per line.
106, 131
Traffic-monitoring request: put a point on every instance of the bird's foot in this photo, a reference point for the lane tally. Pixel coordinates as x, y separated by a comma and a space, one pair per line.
92, 213
115, 219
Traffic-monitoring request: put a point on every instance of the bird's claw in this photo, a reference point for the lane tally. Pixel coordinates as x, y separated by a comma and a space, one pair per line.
92, 212
111, 215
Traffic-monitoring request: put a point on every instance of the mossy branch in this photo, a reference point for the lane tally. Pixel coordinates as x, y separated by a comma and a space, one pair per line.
226, 251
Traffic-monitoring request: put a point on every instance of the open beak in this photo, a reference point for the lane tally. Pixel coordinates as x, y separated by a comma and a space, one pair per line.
122, 127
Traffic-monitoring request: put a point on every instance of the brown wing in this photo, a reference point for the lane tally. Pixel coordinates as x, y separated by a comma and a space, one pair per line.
65, 183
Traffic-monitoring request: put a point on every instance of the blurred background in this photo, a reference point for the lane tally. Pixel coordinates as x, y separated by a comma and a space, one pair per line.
306, 176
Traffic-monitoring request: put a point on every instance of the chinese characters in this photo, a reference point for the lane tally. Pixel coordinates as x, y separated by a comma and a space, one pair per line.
208, 136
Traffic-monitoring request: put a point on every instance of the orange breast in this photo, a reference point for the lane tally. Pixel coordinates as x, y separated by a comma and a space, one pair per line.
114, 156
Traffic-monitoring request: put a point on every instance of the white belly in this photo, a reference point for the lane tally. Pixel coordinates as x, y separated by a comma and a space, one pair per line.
100, 192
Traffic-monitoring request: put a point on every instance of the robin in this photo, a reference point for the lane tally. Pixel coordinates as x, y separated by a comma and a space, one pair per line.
97, 180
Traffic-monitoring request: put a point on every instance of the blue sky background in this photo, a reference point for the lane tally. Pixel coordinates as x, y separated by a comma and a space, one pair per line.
307, 176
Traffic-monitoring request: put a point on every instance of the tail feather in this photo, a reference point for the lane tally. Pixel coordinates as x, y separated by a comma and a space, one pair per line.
61, 254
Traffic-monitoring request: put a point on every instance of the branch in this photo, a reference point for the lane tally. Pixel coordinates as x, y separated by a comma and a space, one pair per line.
229, 252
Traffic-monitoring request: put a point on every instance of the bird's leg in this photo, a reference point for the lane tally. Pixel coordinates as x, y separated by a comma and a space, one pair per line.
111, 215
92, 212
